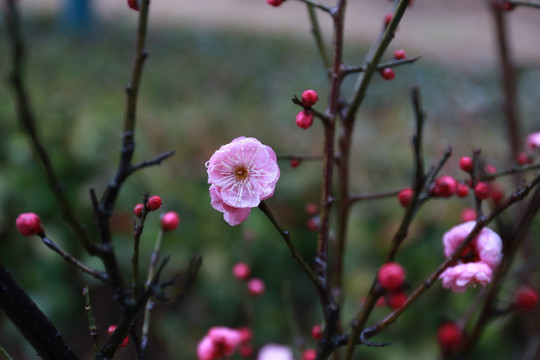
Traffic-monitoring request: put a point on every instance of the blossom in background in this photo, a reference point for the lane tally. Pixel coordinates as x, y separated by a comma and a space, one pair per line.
275, 352
241, 174
533, 141
476, 263
219, 342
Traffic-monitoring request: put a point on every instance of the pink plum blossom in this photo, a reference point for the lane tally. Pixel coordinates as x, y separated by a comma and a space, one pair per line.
533, 141
477, 261
242, 174
275, 352
457, 278
219, 342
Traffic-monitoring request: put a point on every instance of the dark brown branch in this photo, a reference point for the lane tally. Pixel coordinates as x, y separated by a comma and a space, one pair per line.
31, 322
100, 275
152, 162
530, 3
508, 81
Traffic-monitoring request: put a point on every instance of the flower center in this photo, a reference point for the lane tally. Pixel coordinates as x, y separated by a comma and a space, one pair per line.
241, 173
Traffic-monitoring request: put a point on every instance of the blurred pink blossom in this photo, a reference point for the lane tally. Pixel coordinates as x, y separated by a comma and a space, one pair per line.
275, 352
457, 278
477, 261
242, 174
219, 342
533, 141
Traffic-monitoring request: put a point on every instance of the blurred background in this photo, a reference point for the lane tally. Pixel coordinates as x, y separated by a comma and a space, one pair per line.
222, 69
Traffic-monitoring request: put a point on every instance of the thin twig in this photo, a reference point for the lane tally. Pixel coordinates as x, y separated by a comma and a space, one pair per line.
152, 162
317, 35
384, 195
531, 3
91, 320
100, 275
295, 254
300, 157
317, 4
389, 64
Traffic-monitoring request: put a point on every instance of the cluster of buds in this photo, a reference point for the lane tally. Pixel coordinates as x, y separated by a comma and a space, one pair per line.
242, 271
169, 221
388, 73
304, 119
391, 278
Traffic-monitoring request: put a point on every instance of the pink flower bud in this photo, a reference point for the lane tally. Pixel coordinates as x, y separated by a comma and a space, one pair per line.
405, 197
462, 190
138, 209
449, 336
445, 186
466, 164
391, 276
170, 221
312, 209
28, 224
387, 18
395, 299
388, 74
256, 286
309, 354
304, 119
523, 159
154, 203
468, 215
275, 3
317, 332
526, 299
241, 271
309, 98
400, 54
295, 163
246, 335
481, 190
133, 4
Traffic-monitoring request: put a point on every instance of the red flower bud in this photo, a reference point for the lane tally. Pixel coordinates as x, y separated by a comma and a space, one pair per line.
526, 299
170, 221
309, 97
138, 209
317, 332
28, 224
405, 197
304, 119
391, 276
462, 190
482, 190
445, 186
395, 299
449, 335
134, 4
388, 74
275, 3
466, 164
154, 203
400, 54
295, 163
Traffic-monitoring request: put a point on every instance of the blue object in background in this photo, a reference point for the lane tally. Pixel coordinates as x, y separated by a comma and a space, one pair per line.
77, 15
